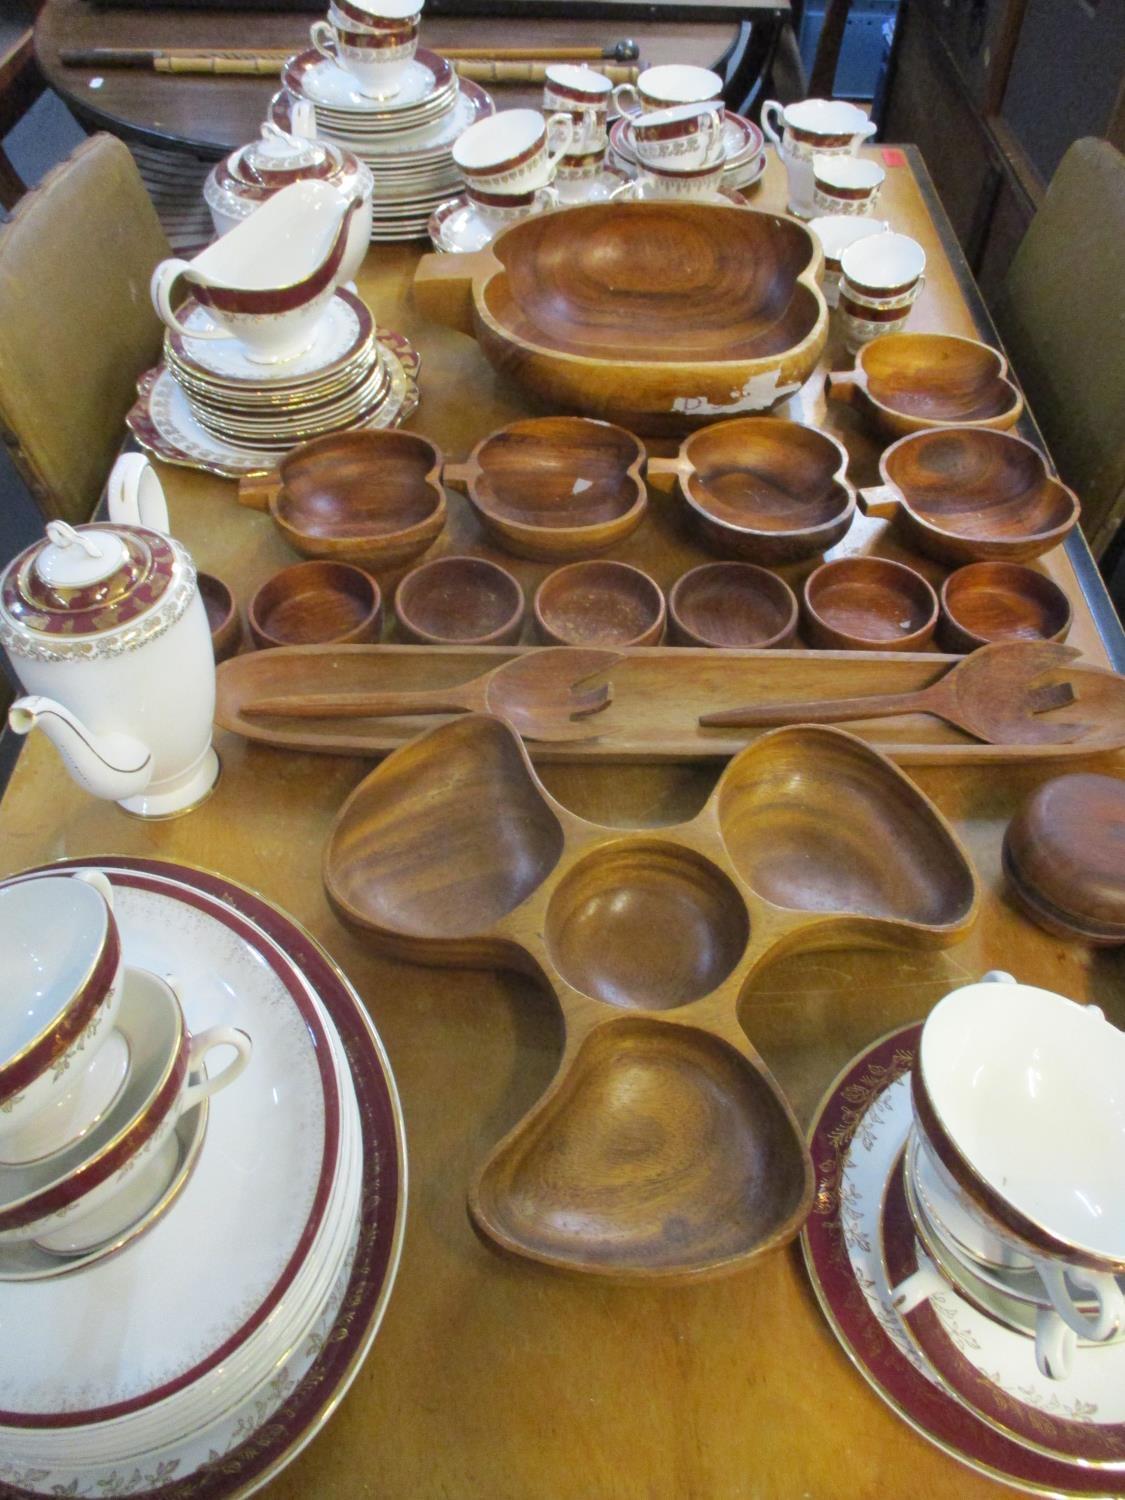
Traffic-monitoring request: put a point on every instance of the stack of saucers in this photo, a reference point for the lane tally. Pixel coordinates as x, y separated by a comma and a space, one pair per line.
407, 140
744, 158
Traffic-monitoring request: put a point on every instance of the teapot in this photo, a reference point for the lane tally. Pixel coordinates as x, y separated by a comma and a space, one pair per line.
105, 628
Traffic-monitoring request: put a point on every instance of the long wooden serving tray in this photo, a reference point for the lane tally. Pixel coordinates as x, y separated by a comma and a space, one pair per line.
659, 694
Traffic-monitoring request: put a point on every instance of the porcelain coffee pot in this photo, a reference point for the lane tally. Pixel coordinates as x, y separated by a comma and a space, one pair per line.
104, 627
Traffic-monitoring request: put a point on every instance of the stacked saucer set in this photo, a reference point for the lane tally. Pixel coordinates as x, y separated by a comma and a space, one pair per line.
398, 107
968, 1243
270, 349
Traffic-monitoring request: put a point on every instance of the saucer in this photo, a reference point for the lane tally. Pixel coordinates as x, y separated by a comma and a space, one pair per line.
646, 194
341, 334
595, 190
457, 226
325, 83
857, 1134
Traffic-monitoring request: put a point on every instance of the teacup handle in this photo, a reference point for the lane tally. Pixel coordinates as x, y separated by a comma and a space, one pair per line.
552, 195
918, 1287
1111, 1303
201, 1044
323, 38
619, 95
99, 881
713, 130
1055, 1344
626, 190
771, 131
167, 273
563, 127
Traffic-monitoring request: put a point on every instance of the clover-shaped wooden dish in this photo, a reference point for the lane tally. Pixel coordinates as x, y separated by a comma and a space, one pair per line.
967, 494
663, 1148
661, 316
908, 382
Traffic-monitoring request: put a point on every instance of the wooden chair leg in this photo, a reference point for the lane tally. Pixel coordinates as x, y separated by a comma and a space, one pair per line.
823, 77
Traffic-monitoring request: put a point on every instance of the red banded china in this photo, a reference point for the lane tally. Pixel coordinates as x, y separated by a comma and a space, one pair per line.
378, 20
143, 575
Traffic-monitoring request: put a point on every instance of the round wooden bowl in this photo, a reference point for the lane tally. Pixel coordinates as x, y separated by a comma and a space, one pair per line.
599, 603
765, 489
460, 601
373, 498
1062, 857
662, 316
869, 604
908, 382
732, 604
997, 601
553, 488
316, 604
966, 494
222, 616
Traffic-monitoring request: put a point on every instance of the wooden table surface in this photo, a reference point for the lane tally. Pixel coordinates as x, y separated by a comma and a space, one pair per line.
492, 1379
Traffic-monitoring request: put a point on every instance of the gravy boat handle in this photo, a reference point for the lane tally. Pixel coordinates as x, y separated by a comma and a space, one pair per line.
164, 278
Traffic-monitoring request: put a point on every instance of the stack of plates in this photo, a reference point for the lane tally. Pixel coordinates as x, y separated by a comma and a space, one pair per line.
209, 1350
210, 407
743, 143
407, 141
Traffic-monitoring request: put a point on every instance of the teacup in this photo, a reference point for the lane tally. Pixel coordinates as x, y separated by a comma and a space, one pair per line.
812, 127
376, 60
846, 184
668, 85
376, 15
882, 276
98, 1186
498, 209
660, 182
582, 93
575, 176
513, 152
835, 233
688, 137
62, 1062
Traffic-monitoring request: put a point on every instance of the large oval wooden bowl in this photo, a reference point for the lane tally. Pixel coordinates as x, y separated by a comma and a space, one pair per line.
661, 316
908, 382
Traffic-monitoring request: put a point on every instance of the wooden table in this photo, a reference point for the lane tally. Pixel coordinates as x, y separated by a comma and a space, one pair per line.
492, 1379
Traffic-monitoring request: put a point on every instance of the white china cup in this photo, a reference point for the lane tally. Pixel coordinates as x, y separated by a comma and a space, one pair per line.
582, 93
882, 276
688, 137
513, 152
376, 60
497, 210
654, 182
576, 176
668, 85
62, 1062
846, 184
835, 233
377, 15
809, 128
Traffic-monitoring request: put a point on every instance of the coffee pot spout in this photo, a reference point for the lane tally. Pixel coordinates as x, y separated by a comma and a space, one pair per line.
114, 766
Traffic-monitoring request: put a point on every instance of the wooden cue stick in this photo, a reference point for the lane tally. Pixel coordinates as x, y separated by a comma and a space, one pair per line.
147, 57
268, 61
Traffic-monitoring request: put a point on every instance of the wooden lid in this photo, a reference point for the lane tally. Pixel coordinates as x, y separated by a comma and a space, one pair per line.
1064, 853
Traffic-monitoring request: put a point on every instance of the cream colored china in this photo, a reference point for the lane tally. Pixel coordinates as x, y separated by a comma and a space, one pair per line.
846, 184
582, 93
668, 85
655, 182
513, 152
379, 15
688, 137
835, 233
376, 60
882, 276
809, 128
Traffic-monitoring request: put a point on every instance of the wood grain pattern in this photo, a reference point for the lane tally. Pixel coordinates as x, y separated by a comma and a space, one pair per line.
732, 604
222, 615
869, 604
460, 601
599, 603
661, 316
965, 494
1000, 601
316, 603
909, 382
663, 1149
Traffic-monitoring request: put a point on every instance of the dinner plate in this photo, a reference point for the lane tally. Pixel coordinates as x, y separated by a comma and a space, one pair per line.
326, 416
283, 403
856, 1136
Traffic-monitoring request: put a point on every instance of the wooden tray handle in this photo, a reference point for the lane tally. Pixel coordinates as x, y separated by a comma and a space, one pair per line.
662, 473
880, 500
257, 490
457, 476
443, 286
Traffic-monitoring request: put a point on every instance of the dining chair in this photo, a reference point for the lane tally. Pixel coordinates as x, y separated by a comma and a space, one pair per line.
77, 326
1061, 313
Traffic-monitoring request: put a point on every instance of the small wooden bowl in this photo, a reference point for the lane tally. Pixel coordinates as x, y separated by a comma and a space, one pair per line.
373, 498
316, 604
460, 601
732, 604
599, 603
908, 382
1062, 857
997, 601
762, 488
869, 604
553, 488
222, 616
965, 494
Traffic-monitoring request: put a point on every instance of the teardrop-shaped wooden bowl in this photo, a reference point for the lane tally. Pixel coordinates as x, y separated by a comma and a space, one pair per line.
909, 382
599, 603
763, 489
1001, 601
966, 494
660, 316
663, 1149
553, 488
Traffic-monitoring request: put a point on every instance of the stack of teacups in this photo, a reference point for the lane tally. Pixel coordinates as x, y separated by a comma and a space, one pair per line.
584, 95
680, 152
666, 86
509, 160
373, 41
97, 1068
811, 128
835, 233
1015, 1162
882, 276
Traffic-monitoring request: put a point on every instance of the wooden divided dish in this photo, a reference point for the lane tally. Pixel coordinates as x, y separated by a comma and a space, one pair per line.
869, 604
599, 603
553, 488
764, 489
727, 604
965, 494
316, 603
661, 316
908, 382
460, 601
999, 601
663, 1149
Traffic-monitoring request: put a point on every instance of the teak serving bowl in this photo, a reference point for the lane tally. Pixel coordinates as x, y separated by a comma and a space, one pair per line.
599, 603
732, 604
222, 616
373, 498
460, 601
663, 1149
762, 488
553, 488
661, 316
999, 601
869, 604
908, 382
966, 494
316, 604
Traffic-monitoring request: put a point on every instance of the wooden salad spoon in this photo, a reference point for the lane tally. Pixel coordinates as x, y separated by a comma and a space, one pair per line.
540, 693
